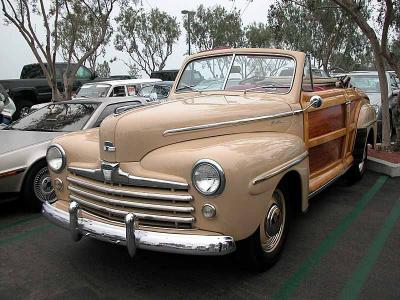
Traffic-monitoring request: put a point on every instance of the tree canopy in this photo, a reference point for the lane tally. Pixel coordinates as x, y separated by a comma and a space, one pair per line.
147, 37
214, 27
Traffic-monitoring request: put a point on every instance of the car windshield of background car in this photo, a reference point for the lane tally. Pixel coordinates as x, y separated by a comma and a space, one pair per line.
367, 83
93, 90
66, 117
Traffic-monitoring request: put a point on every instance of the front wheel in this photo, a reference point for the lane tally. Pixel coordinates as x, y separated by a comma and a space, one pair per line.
263, 248
38, 188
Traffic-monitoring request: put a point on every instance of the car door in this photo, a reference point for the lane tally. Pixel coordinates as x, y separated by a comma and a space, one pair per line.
329, 130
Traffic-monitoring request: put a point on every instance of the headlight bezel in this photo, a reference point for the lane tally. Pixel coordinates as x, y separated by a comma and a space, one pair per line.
217, 167
63, 158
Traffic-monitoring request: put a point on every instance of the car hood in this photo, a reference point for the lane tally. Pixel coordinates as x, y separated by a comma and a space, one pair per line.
12, 140
138, 132
374, 98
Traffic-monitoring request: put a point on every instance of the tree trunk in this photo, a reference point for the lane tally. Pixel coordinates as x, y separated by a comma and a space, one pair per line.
380, 67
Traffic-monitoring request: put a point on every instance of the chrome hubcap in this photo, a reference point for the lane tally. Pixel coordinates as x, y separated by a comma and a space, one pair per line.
42, 186
274, 222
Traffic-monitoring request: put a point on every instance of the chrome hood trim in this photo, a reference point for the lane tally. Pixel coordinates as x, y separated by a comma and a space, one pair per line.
125, 178
230, 123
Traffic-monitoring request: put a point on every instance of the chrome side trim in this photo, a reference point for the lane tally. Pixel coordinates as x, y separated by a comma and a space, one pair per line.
230, 123
123, 213
14, 171
191, 244
125, 178
323, 187
143, 195
107, 200
280, 169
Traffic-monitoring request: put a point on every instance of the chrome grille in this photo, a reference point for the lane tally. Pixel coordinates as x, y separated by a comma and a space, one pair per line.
154, 207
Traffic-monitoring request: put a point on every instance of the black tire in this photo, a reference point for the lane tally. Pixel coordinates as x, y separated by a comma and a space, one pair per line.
22, 106
259, 256
357, 170
37, 187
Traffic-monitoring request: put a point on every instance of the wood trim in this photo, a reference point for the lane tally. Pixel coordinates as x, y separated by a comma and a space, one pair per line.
327, 137
317, 182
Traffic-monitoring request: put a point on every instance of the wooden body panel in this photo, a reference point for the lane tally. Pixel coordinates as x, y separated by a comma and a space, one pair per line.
329, 133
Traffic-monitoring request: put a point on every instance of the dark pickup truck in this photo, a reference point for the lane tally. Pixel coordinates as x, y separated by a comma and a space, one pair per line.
32, 87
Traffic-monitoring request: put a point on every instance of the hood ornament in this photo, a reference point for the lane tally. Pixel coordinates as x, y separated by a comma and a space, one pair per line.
109, 146
108, 170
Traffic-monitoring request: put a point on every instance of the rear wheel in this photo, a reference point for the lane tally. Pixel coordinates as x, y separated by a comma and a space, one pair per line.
357, 170
37, 187
263, 248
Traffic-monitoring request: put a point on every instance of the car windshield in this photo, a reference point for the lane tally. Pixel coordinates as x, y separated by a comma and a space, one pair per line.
93, 90
62, 117
145, 91
368, 83
256, 73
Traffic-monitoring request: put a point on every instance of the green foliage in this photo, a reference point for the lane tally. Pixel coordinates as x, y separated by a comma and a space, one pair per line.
79, 30
214, 27
147, 37
321, 29
258, 35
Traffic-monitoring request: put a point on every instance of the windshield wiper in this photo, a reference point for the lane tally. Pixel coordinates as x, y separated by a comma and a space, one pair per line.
188, 87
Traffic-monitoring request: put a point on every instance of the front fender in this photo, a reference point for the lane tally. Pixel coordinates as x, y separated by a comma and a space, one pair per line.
244, 158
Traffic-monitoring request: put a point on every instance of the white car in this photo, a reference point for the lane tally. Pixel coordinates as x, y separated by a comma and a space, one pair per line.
113, 88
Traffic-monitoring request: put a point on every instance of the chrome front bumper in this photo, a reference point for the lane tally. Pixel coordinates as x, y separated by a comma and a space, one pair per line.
134, 238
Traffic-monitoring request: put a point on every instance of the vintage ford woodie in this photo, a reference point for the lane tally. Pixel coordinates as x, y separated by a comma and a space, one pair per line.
245, 139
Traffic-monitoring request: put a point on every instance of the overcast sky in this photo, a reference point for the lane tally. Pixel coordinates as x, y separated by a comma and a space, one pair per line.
14, 52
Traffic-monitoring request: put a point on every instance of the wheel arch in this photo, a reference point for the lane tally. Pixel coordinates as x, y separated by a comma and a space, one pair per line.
28, 170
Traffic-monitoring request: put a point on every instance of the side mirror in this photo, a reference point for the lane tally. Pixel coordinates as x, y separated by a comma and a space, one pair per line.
316, 101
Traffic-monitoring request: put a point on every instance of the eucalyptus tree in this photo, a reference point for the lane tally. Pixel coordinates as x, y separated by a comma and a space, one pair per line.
215, 27
383, 34
147, 37
319, 28
23, 14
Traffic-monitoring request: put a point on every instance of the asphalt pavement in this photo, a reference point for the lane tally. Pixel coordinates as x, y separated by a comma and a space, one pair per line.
345, 247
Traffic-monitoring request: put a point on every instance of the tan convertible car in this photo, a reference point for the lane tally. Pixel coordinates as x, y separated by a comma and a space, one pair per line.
248, 137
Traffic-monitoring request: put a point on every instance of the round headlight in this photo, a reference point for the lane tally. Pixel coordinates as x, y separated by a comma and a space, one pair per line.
55, 158
208, 177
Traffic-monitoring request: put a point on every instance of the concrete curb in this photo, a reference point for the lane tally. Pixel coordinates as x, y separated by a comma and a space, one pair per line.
383, 167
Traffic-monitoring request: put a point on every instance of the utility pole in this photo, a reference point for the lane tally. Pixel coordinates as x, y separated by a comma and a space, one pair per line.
189, 14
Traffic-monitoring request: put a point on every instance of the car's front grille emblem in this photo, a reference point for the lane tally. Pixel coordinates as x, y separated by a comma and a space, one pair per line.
109, 146
108, 170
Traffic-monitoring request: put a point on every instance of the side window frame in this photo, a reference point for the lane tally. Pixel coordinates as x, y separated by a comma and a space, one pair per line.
307, 66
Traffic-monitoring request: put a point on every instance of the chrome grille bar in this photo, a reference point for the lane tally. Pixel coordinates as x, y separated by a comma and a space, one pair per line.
128, 179
107, 200
123, 213
143, 195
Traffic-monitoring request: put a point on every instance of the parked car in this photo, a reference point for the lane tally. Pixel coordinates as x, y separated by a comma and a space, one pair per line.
165, 75
7, 107
23, 169
113, 88
156, 91
105, 89
368, 81
214, 171
32, 87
